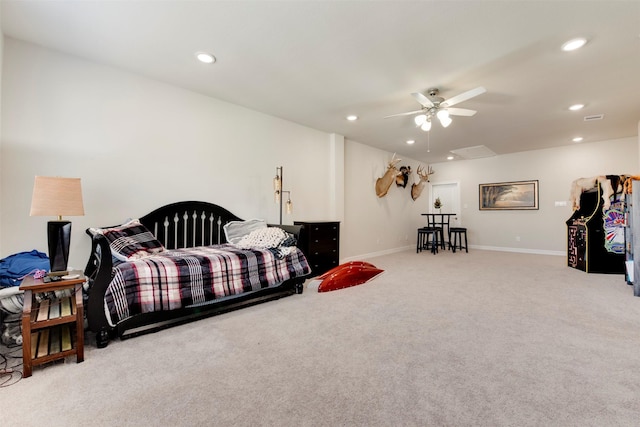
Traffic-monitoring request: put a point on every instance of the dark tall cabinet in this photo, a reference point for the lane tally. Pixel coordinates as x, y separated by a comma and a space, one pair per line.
320, 242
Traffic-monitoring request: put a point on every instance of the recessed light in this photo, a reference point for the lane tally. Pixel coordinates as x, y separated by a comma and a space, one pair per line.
577, 139
450, 157
352, 118
411, 141
205, 57
576, 107
574, 44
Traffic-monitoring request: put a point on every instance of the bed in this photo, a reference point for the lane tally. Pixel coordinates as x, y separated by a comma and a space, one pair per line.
185, 261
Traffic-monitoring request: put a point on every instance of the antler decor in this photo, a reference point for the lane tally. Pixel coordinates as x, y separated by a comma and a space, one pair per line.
384, 183
416, 189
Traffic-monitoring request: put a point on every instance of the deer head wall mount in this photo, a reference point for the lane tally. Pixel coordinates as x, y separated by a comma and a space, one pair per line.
416, 189
384, 183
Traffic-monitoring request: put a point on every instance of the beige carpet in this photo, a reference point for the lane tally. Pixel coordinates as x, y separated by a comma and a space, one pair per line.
478, 339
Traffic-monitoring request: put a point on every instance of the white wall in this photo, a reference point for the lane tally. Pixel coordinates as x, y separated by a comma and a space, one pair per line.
542, 230
376, 225
138, 144
1, 61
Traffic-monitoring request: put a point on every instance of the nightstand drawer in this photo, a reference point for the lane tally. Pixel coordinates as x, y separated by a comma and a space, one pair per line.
324, 230
322, 266
323, 244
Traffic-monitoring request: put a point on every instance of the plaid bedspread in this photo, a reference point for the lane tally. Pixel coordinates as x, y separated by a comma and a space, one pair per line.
182, 277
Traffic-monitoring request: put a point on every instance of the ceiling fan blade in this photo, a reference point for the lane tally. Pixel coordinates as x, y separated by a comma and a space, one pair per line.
464, 96
408, 113
461, 112
422, 100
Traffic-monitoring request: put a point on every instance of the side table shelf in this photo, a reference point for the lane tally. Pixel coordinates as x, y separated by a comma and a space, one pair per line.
52, 329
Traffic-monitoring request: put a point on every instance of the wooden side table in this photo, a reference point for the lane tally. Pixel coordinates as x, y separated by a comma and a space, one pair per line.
53, 328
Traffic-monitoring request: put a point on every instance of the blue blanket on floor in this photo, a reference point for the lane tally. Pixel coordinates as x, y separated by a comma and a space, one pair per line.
14, 267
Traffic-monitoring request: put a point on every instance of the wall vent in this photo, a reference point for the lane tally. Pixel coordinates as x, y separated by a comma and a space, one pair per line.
593, 117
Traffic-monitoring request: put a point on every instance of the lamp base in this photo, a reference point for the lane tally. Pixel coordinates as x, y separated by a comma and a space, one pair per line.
59, 237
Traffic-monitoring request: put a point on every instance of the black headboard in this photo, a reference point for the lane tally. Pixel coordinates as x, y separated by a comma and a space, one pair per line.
188, 224
176, 226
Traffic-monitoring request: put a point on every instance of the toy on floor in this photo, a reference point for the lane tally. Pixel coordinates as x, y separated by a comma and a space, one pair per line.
346, 275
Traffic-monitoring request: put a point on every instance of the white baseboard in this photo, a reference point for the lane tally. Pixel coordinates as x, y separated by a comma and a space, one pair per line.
377, 254
480, 247
519, 250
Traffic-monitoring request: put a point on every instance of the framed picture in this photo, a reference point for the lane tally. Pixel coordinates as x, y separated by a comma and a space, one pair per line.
516, 195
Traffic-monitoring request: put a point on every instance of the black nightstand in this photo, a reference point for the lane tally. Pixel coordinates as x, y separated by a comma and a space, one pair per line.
320, 243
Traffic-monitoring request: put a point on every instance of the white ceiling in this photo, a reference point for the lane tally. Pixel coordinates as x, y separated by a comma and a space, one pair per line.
314, 62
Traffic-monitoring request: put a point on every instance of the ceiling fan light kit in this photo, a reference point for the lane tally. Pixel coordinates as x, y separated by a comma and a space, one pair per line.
434, 105
420, 119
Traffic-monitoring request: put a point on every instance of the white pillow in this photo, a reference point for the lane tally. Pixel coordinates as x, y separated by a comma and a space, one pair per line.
236, 230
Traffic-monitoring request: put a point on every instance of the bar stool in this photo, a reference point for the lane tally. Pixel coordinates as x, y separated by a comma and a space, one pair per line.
427, 239
455, 239
440, 237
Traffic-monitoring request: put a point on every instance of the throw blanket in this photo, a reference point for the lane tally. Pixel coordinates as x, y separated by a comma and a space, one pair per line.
182, 277
276, 239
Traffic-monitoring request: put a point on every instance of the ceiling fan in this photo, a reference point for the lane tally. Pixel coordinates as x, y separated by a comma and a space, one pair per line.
433, 105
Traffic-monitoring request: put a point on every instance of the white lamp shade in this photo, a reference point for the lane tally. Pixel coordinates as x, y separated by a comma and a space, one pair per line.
56, 196
442, 114
419, 120
445, 121
426, 126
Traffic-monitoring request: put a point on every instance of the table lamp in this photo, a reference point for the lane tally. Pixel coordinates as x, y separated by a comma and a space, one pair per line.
56, 196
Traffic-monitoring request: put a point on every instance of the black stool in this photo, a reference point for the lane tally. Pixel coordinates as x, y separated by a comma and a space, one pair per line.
427, 239
455, 239
440, 237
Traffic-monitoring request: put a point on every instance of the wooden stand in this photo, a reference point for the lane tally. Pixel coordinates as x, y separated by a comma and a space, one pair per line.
54, 328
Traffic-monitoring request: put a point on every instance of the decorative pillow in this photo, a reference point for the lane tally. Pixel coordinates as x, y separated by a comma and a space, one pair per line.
236, 230
130, 241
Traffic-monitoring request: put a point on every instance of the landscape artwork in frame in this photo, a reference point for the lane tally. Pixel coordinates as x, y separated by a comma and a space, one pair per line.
516, 195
